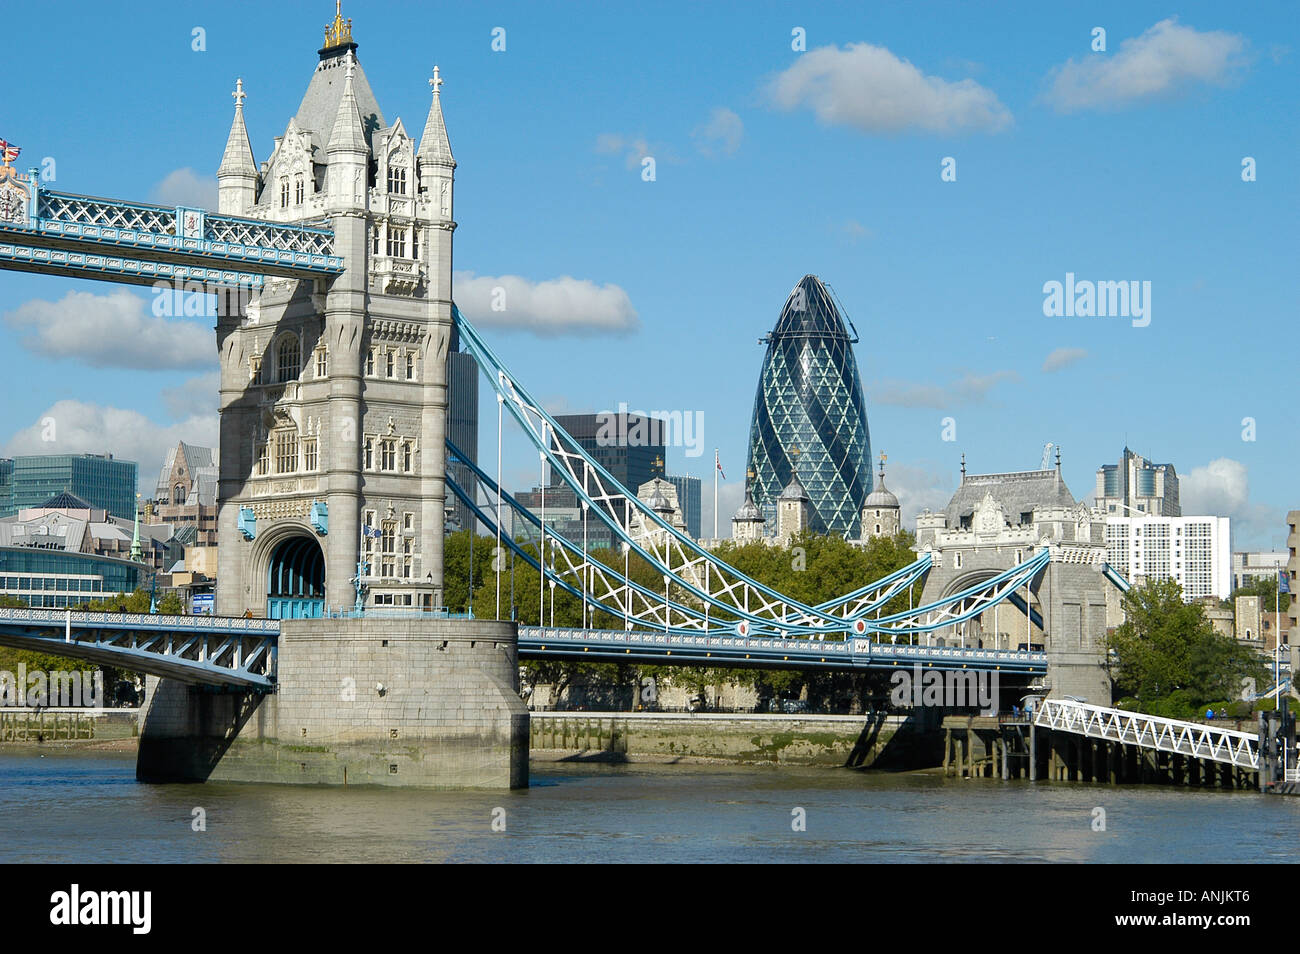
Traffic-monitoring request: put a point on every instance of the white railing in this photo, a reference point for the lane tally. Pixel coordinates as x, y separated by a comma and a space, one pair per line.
1192, 739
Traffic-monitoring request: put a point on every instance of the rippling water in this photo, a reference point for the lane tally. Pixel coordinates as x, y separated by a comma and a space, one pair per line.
77, 807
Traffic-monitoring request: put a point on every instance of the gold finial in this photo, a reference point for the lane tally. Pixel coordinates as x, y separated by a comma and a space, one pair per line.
338, 33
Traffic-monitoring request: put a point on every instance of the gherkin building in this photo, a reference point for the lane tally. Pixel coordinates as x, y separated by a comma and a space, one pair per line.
809, 415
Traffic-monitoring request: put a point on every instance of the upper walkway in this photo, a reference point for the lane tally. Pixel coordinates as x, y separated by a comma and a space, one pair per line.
115, 240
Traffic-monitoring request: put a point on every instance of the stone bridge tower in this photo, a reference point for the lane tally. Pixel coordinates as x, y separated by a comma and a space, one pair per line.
334, 392
994, 522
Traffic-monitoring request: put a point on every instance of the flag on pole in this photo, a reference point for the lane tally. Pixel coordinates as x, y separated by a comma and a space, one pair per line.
371, 531
8, 151
718, 463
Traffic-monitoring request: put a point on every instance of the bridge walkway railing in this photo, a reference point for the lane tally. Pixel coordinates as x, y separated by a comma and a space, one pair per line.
1193, 739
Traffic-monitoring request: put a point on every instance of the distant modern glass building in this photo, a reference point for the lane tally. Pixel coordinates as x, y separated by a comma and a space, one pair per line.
810, 416
55, 579
1136, 486
688, 495
462, 427
101, 480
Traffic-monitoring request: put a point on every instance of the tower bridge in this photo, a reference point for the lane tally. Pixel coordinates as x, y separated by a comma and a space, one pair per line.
333, 487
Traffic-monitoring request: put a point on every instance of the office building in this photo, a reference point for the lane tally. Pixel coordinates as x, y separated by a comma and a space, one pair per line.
462, 429
688, 496
810, 416
1136, 486
1196, 552
101, 480
1249, 566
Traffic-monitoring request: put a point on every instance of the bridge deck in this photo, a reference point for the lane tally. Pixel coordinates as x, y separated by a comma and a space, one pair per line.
203, 650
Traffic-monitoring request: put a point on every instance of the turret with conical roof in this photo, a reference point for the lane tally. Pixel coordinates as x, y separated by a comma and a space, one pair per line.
435, 148
348, 153
794, 511
747, 524
237, 175
880, 511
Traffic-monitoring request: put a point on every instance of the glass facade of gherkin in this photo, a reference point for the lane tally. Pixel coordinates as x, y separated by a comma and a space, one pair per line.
810, 397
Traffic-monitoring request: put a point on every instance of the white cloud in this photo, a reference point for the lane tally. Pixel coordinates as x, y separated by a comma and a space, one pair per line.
855, 230
197, 396
1222, 489
918, 488
1165, 60
81, 428
971, 388
116, 330
562, 305
634, 148
869, 88
187, 187
721, 135
1063, 358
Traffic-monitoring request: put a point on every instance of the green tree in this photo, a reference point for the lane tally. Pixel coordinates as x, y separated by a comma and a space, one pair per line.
1166, 646
456, 567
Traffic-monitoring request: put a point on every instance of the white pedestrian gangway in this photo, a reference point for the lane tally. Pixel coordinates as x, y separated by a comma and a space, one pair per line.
1192, 739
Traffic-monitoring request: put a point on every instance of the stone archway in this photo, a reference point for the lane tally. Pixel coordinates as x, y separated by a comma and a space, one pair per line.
1003, 628
295, 579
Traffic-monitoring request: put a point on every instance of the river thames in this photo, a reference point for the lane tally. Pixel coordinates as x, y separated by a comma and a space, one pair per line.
69, 806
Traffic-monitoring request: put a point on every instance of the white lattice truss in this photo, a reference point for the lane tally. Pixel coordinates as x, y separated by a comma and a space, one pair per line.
706, 586
1192, 739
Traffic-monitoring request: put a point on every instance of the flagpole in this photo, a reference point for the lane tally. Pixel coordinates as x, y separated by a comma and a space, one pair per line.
717, 468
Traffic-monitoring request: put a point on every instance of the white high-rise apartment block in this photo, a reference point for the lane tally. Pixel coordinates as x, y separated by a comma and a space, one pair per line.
1194, 551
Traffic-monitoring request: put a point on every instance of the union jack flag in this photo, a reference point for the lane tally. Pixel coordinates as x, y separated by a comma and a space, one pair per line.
717, 462
8, 151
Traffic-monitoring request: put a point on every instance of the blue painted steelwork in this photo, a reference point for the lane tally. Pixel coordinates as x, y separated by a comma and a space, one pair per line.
738, 652
295, 583
980, 597
320, 517
759, 609
1112, 574
204, 650
141, 243
247, 523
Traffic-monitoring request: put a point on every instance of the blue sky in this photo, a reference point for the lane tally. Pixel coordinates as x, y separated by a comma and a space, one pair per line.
769, 163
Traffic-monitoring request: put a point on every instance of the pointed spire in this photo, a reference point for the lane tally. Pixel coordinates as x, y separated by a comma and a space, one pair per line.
434, 146
349, 133
237, 160
137, 554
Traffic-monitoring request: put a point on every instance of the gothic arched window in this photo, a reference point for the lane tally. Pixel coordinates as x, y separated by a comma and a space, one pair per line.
288, 360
